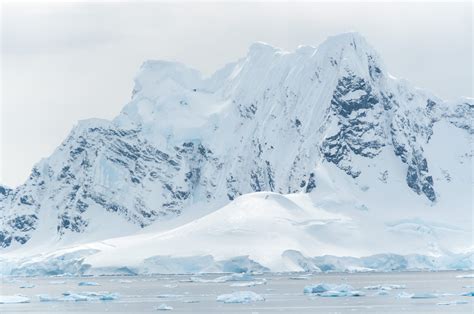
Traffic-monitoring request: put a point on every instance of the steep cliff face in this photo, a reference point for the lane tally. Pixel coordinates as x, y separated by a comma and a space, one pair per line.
267, 122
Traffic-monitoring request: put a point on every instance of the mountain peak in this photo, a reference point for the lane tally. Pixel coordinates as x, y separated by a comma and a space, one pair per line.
261, 49
285, 122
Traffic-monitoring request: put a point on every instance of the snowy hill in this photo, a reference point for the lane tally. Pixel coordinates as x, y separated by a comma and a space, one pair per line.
329, 122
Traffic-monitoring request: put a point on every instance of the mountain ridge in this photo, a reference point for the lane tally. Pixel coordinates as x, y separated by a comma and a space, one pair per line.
271, 121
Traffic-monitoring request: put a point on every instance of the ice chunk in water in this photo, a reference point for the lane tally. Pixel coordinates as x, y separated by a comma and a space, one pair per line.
385, 287
240, 297
88, 283
57, 282
27, 285
338, 293
164, 307
8, 299
74, 297
424, 296
47, 298
168, 295
404, 295
455, 302
468, 294
80, 296
324, 287
249, 283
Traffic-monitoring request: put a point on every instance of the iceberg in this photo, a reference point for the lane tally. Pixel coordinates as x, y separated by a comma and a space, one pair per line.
323, 287
405, 295
385, 287
424, 296
455, 302
250, 283
333, 290
164, 307
88, 283
9, 299
240, 297
80, 296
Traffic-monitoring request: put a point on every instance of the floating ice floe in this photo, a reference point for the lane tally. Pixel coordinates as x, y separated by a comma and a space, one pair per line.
164, 307
240, 297
333, 290
47, 298
57, 282
249, 283
381, 292
125, 281
335, 294
424, 295
81, 296
168, 296
385, 287
468, 294
404, 295
9, 299
88, 283
191, 301
302, 277
27, 285
465, 276
421, 295
324, 287
456, 302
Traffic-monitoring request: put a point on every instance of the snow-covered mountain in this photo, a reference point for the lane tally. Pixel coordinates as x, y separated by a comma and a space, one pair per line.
329, 121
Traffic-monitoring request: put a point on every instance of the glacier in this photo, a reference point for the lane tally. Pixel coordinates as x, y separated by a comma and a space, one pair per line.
312, 160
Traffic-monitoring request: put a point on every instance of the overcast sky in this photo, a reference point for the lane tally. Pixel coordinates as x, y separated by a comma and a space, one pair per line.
66, 62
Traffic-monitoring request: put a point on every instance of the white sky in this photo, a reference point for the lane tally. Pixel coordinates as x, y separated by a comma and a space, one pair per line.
62, 62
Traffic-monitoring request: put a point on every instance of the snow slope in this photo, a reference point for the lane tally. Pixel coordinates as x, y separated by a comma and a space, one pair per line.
326, 130
261, 232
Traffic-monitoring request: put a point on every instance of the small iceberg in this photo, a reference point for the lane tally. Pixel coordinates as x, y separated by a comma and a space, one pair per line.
57, 282
324, 287
164, 307
27, 285
404, 295
424, 296
336, 294
46, 298
465, 276
468, 294
240, 297
456, 302
88, 283
169, 296
333, 290
249, 283
81, 296
385, 287
10, 299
